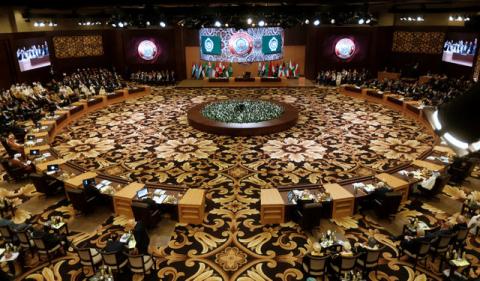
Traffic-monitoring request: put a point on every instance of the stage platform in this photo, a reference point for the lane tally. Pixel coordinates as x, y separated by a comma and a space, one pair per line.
285, 83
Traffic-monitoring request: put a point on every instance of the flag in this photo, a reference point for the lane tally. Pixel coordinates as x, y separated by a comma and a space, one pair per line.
204, 67
273, 69
295, 72
259, 70
263, 70
280, 70
198, 72
213, 72
230, 70
211, 45
267, 69
194, 68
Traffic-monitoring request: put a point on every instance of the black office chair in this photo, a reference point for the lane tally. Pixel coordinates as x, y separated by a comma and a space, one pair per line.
440, 182
316, 265
368, 261
16, 174
46, 185
388, 204
79, 200
460, 169
150, 215
309, 216
9, 151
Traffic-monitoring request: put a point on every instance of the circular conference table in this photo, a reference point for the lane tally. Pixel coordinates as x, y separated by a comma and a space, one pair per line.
123, 192
286, 120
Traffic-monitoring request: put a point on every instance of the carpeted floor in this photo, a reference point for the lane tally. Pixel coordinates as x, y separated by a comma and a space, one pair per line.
149, 140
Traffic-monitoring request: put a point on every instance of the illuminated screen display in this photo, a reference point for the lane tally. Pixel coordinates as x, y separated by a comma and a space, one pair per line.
345, 48
147, 50
460, 49
32, 54
242, 45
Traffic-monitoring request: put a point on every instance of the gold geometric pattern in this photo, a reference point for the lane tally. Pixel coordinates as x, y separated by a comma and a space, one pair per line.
78, 46
418, 42
231, 244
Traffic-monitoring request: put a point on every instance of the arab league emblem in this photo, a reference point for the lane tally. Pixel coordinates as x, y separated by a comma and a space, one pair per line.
273, 44
208, 45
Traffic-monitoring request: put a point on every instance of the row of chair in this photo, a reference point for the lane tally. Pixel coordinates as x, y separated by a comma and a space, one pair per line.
29, 243
93, 258
439, 248
336, 265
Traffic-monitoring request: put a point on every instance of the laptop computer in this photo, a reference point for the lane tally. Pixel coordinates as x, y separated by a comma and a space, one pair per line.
142, 193
53, 168
34, 152
88, 182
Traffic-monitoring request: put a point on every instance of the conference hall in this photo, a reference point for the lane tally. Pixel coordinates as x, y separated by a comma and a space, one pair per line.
310, 140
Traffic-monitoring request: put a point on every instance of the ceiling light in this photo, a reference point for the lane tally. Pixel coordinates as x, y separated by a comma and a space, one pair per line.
368, 21
226, 25
307, 21
35, 24
249, 21
332, 21
217, 23
450, 18
120, 24
163, 24
316, 22
261, 23
467, 19
147, 23
361, 21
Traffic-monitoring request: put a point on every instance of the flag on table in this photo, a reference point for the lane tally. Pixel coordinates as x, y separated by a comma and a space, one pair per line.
273, 69
259, 70
213, 72
267, 69
263, 70
204, 67
295, 71
230, 70
194, 68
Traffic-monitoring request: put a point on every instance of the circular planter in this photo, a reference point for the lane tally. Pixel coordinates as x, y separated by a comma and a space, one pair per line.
285, 121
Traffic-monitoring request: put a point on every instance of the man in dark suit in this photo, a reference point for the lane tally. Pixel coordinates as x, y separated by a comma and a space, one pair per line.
141, 238
116, 247
412, 244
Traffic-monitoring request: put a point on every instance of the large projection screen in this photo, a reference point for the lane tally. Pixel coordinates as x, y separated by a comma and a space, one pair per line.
241, 45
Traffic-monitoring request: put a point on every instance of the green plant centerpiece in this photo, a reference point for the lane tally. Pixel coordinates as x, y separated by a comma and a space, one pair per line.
242, 111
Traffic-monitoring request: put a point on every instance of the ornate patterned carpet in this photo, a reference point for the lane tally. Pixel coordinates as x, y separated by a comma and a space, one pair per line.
149, 140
